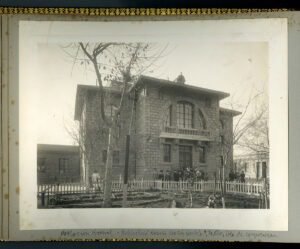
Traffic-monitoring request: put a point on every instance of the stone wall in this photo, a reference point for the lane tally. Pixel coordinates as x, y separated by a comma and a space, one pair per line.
152, 108
97, 135
146, 148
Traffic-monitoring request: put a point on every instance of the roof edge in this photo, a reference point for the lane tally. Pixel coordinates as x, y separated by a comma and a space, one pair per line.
231, 111
57, 147
169, 83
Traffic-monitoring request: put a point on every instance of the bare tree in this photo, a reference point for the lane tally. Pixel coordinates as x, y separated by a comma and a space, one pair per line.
244, 123
256, 138
123, 62
85, 141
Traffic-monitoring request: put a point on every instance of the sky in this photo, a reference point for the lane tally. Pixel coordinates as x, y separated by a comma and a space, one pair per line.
239, 68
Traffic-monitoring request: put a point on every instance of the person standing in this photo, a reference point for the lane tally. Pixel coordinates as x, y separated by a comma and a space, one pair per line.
242, 176
96, 180
231, 176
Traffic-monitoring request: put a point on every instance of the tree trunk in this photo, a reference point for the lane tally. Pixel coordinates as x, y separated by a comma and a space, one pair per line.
124, 204
223, 202
108, 171
86, 169
224, 180
215, 175
221, 181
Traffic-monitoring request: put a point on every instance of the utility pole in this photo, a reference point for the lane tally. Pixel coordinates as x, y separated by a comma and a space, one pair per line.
125, 183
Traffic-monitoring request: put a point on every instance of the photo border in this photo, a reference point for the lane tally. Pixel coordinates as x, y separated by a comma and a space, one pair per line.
133, 239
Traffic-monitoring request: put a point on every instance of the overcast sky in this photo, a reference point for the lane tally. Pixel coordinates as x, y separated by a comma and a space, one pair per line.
237, 68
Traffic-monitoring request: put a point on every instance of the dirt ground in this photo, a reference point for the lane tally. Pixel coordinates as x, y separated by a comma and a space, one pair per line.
154, 199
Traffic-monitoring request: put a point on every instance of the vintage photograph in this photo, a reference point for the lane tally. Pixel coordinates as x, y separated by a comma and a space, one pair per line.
153, 125
157, 125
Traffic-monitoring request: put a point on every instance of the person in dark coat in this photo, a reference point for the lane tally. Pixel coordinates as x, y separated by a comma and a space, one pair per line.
242, 176
176, 176
161, 175
168, 175
231, 176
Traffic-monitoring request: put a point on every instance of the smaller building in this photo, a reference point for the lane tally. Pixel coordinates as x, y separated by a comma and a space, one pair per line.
255, 166
57, 164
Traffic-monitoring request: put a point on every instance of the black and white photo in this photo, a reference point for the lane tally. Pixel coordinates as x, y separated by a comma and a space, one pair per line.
139, 118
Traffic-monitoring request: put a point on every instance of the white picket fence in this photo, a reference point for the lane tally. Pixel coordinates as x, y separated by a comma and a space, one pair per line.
143, 185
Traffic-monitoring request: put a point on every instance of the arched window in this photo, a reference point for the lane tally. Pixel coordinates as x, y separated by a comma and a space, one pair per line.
185, 117
202, 120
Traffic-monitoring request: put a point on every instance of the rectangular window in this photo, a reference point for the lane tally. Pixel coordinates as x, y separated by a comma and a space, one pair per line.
167, 152
109, 110
63, 164
144, 92
119, 131
104, 156
41, 164
257, 170
184, 115
202, 154
222, 140
116, 157
245, 167
221, 160
169, 117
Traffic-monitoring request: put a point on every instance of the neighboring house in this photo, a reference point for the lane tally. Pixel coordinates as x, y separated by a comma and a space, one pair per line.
255, 165
173, 126
57, 164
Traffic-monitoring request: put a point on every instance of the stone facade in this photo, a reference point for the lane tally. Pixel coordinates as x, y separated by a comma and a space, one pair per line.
57, 164
173, 125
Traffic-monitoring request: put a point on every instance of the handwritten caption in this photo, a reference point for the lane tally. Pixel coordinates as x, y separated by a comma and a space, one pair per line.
168, 234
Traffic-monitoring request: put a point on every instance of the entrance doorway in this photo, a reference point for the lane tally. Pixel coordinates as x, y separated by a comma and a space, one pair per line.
185, 156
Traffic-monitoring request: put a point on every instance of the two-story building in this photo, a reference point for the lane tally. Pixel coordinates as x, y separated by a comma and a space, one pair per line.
172, 125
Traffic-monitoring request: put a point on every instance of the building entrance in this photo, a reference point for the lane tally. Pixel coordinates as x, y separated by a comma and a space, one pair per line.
185, 156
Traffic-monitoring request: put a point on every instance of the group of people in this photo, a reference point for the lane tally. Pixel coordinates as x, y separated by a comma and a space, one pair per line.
187, 174
236, 176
